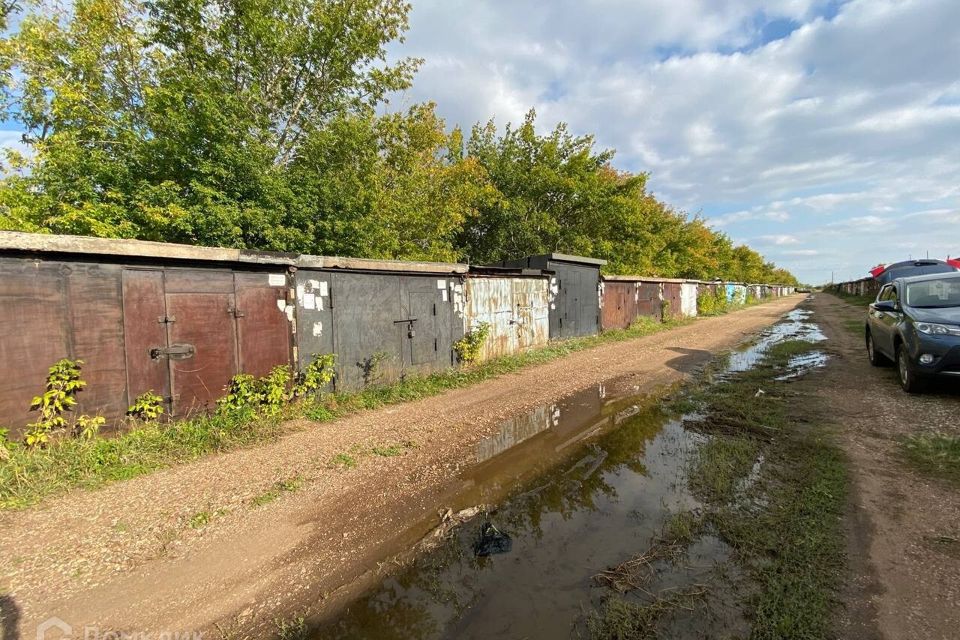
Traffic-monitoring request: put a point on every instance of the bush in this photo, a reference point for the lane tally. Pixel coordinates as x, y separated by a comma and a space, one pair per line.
712, 303
468, 347
147, 406
317, 375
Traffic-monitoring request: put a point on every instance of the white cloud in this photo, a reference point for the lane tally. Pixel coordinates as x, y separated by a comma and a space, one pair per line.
777, 240
759, 213
832, 133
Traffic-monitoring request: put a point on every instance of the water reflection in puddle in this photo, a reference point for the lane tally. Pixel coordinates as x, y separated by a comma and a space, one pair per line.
795, 327
803, 363
583, 484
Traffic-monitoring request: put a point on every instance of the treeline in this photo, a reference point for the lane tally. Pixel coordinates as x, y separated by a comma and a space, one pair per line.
261, 124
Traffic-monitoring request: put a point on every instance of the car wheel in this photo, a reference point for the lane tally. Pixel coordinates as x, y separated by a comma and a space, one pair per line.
877, 359
909, 380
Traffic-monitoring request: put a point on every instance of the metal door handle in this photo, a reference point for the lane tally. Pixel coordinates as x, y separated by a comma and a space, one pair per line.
173, 352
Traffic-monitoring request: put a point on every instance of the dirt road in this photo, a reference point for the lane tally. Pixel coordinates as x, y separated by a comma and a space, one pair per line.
231, 542
904, 527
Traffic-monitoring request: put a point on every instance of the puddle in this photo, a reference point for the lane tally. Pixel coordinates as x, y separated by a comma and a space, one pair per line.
795, 327
582, 485
596, 509
803, 363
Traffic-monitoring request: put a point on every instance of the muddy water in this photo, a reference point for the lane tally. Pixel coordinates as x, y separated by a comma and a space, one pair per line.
590, 482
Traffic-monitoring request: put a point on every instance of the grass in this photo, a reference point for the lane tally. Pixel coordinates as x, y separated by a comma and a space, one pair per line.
280, 487
721, 465
293, 629
388, 451
624, 619
855, 327
781, 352
935, 454
785, 524
343, 460
415, 388
859, 301
683, 527
27, 476
200, 520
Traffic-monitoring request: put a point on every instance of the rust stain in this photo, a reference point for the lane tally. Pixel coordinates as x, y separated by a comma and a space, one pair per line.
516, 309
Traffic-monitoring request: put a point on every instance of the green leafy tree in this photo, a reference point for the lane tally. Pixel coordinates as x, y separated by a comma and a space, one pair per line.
175, 119
260, 124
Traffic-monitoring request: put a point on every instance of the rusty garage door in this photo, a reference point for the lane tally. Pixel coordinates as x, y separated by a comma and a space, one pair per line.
672, 302
648, 300
191, 330
575, 307
619, 304
490, 301
531, 305
54, 310
33, 319
516, 309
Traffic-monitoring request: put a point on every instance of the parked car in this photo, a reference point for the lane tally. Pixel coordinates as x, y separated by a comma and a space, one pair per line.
915, 322
910, 268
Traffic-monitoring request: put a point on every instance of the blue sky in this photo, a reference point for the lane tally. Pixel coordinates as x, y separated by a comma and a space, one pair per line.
824, 134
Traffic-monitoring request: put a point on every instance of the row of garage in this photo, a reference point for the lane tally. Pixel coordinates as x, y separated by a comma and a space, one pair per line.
861, 287
180, 321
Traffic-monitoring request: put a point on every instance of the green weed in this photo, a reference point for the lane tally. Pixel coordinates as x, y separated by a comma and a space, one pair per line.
387, 451
30, 474
278, 489
200, 520
794, 547
855, 327
858, 301
293, 629
682, 528
623, 619
721, 464
936, 454
780, 353
343, 460
790, 540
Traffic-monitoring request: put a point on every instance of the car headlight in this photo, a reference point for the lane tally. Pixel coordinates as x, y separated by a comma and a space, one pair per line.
933, 329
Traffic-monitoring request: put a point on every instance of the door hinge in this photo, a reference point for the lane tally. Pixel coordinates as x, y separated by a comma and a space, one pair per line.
435, 347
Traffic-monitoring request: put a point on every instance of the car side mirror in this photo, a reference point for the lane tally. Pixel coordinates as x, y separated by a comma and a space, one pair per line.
885, 305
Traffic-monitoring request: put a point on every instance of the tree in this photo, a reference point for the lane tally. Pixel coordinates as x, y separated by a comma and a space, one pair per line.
175, 119
254, 123
390, 187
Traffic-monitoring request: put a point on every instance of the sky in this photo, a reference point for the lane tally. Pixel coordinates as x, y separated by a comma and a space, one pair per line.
824, 134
